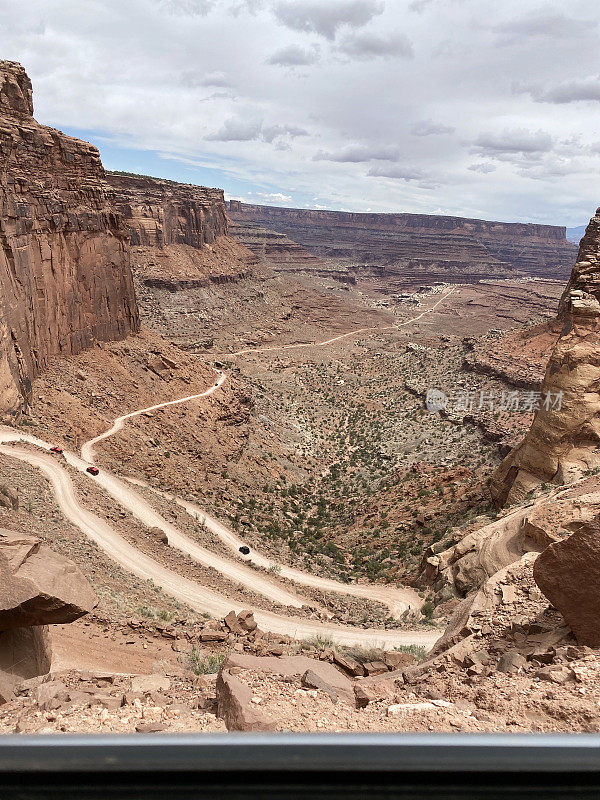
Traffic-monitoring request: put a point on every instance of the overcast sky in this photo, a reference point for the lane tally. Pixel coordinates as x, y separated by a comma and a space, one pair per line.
483, 108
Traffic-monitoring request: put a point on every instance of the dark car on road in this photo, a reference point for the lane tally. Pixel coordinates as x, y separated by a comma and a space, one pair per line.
244, 550
93, 470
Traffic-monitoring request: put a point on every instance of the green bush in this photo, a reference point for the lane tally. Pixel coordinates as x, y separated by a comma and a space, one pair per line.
206, 664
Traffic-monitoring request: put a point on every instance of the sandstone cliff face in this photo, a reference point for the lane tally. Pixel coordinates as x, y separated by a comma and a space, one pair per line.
564, 437
178, 233
65, 279
418, 247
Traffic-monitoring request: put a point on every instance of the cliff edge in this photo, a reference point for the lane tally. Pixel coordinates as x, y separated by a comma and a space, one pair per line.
564, 437
65, 278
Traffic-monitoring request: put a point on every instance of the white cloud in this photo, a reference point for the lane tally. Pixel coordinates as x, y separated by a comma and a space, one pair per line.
513, 142
326, 17
543, 24
496, 114
187, 7
359, 153
429, 128
237, 129
397, 173
567, 92
294, 56
482, 167
366, 46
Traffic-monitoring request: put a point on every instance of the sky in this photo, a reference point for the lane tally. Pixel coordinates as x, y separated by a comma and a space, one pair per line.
475, 108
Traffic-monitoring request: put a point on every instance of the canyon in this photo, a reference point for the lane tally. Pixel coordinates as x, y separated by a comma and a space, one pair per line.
403, 250
283, 533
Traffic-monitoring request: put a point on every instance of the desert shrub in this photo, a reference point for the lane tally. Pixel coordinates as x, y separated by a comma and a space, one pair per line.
206, 664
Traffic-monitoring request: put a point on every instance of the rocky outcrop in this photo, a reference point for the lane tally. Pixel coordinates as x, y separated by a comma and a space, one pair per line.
65, 280
37, 588
178, 233
400, 249
568, 573
563, 440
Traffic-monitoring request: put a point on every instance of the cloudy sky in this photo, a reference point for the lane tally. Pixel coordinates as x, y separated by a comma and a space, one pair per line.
470, 107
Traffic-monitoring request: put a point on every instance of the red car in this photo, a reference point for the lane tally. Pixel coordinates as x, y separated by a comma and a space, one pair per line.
93, 470
56, 449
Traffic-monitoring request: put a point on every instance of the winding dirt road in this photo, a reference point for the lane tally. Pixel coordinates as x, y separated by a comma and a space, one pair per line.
186, 591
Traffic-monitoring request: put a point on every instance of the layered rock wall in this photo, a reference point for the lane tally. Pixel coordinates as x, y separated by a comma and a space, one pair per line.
404, 247
178, 233
564, 439
161, 212
65, 279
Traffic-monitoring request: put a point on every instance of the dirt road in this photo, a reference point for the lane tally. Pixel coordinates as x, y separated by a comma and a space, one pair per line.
186, 591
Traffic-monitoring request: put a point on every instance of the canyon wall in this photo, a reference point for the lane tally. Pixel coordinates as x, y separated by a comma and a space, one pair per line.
178, 233
65, 279
415, 247
564, 439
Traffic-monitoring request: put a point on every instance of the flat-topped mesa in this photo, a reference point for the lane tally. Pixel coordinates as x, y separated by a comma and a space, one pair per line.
65, 278
562, 443
415, 247
178, 233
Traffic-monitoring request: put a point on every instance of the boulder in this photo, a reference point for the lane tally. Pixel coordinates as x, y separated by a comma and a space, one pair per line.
9, 498
350, 665
296, 667
511, 661
233, 624
396, 659
568, 573
159, 535
311, 680
235, 706
39, 586
24, 653
246, 621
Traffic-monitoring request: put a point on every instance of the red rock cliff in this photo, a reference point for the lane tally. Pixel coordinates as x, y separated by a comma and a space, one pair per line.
65, 278
401, 247
563, 442
178, 233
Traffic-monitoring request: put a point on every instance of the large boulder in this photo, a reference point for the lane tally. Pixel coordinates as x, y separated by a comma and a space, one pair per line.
24, 653
568, 573
235, 707
39, 586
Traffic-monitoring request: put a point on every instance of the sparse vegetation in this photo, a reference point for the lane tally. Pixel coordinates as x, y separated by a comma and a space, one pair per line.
203, 664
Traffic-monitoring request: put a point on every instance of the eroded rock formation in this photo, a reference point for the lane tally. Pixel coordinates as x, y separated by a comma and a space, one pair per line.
37, 588
65, 279
563, 440
178, 233
405, 248
568, 573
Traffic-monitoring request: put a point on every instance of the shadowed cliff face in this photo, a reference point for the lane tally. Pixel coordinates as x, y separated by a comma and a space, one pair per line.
563, 441
405, 248
65, 278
